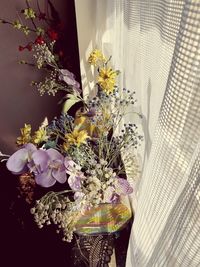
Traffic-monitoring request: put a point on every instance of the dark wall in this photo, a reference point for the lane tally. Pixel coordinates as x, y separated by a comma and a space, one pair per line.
22, 242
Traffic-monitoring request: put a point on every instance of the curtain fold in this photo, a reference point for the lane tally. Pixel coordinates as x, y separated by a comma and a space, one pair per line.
156, 46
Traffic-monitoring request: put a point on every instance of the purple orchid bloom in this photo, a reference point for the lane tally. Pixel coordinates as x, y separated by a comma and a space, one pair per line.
18, 162
75, 175
123, 187
70, 165
48, 167
75, 181
120, 188
69, 78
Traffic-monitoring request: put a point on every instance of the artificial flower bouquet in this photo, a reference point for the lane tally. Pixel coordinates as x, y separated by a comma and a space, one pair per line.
81, 152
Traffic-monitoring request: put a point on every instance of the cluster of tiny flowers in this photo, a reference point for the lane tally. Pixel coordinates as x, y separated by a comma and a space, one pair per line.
89, 199
129, 136
63, 124
122, 102
43, 55
49, 85
57, 209
93, 193
109, 184
132, 166
98, 182
103, 112
115, 104
124, 98
93, 103
102, 99
111, 98
82, 156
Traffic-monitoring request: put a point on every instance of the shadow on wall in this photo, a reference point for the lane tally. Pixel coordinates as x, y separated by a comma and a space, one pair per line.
20, 103
89, 36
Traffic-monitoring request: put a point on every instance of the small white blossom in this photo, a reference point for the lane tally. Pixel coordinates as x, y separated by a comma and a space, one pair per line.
43, 55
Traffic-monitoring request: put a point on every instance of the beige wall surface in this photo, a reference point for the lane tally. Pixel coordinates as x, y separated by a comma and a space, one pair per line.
86, 28
19, 102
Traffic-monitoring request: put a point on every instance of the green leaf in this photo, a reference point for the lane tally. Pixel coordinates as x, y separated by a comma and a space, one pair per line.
50, 144
72, 100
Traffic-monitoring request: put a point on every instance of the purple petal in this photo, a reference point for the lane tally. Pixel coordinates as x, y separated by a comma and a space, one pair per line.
91, 112
30, 147
74, 182
54, 154
68, 162
45, 179
69, 80
65, 72
123, 187
69, 165
40, 160
17, 162
60, 176
115, 198
77, 85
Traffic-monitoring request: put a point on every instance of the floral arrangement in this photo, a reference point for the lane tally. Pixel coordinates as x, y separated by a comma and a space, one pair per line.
81, 152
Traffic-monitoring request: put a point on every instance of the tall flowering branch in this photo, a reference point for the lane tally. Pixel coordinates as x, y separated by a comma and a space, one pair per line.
86, 153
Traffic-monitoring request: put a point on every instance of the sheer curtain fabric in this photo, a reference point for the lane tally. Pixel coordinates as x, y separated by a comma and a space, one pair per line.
156, 46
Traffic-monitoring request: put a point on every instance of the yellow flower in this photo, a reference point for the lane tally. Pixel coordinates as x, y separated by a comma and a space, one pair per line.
40, 135
66, 146
17, 24
77, 137
84, 123
25, 135
40, 31
29, 13
106, 79
25, 30
95, 57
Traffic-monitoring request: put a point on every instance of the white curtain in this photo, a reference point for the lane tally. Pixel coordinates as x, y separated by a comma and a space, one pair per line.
156, 46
